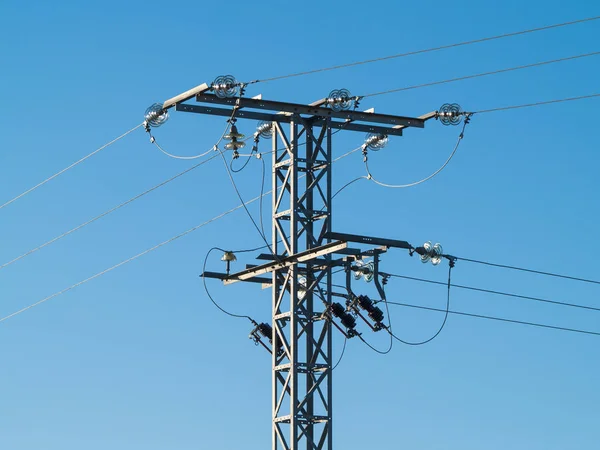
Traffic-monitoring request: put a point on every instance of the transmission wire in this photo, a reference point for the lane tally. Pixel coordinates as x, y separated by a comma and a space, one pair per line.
522, 269
428, 50
60, 172
151, 249
529, 105
490, 291
478, 75
501, 319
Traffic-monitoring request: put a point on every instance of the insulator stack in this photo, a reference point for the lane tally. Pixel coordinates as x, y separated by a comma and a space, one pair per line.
264, 129
375, 141
225, 86
450, 114
340, 312
155, 115
339, 99
431, 252
373, 311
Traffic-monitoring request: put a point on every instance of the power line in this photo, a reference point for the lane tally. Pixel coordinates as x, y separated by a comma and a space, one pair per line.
94, 219
151, 249
478, 75
501, 319
428, 50
528, 105
110, 269
69, 167
505, 294
522, 269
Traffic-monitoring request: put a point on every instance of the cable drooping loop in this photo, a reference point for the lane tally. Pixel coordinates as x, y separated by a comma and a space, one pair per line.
400, 186
213, 148
428, 50
69, 167
240, 316
447, 312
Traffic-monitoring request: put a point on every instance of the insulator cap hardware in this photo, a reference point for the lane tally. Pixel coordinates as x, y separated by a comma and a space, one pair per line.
340, 99
364, 270
430, 252
225, 86
155, 115
264, 129
375, 141
339, 311
376, 314
450, 114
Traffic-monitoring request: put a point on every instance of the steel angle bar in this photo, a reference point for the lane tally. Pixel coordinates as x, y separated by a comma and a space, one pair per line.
320, 111
286, 262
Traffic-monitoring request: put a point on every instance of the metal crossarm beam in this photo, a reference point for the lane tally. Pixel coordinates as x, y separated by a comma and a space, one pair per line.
307, 255
224, 276
370, 240
282, 118
318, 111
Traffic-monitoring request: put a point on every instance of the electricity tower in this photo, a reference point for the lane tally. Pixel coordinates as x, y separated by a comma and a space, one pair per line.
303, 244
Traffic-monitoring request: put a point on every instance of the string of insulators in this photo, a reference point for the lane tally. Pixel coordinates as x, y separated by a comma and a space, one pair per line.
346, 318
374, 312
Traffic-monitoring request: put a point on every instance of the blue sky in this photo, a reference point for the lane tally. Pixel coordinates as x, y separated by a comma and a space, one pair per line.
139, 358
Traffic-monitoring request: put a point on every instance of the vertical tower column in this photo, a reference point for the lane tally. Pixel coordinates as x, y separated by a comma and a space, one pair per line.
301, 332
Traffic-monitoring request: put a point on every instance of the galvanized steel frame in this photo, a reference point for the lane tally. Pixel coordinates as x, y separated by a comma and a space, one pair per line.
302, 384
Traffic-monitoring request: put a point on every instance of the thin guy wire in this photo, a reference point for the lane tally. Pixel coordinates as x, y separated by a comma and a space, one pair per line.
401, 186
478, 75
447, 311
529, 105
151, 249
522, 269
505, 294
501, 319
428, 50
69, 167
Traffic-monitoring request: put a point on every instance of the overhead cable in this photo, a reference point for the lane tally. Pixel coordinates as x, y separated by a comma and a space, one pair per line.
529, 105
478, 75
505, 294
427, 50
151, 249
69, 167
106, 213
501, 319
522, 269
